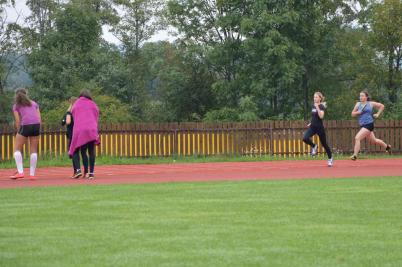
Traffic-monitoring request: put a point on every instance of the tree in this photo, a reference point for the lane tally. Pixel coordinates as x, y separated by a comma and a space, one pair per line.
64, 63
140, 21
111, 111
179, 82
215, 27
7, 51
41, 20
386, 37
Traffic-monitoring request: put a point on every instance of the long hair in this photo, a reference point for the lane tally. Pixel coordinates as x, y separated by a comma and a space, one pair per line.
322, 97
21, 98
366, 93
85, 93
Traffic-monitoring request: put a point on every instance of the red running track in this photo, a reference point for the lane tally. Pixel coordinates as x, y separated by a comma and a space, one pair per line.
191, 172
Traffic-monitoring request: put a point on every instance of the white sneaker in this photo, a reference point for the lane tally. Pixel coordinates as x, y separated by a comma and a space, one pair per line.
330, 162
314, 150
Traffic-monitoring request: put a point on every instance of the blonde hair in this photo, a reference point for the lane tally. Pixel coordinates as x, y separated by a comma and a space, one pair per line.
322, 97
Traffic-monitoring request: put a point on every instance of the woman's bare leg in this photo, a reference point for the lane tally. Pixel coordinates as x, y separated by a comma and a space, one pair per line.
377, 141
363, 133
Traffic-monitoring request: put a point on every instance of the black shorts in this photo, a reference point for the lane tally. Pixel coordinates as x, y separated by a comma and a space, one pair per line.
369, 126
29, 130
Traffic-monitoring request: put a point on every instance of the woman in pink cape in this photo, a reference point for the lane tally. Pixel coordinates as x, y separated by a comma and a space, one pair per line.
85, 134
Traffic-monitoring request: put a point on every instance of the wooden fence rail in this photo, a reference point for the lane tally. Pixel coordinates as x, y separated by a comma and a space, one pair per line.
277, 138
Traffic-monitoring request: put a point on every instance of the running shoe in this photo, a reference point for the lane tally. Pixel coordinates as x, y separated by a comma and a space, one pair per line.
77, 175
330, 162
17, 176
314, 150
388, 148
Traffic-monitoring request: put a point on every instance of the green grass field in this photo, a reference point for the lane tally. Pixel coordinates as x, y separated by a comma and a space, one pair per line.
335, 222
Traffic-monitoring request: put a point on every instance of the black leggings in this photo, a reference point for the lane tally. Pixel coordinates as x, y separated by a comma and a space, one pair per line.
75, 167
90, 147
320, 131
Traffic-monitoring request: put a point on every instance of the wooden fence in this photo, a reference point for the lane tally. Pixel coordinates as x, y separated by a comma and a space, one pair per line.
277, 138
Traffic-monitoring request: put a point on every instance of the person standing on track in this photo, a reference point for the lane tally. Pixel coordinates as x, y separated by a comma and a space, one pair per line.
27, 123
68, 120
316, 126
364, 110
85, 134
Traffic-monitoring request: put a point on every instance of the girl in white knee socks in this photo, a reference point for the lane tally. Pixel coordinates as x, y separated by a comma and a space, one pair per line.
27, 122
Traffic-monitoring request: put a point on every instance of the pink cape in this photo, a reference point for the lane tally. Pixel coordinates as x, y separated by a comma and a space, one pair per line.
85, 114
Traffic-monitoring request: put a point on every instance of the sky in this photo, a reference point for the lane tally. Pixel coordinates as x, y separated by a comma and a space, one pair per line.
21, 11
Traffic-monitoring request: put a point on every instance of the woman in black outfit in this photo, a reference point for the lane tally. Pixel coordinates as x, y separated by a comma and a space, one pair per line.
68, 121
316, 126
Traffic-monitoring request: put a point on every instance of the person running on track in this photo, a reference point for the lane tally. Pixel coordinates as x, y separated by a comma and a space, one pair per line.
316, 126
364, 110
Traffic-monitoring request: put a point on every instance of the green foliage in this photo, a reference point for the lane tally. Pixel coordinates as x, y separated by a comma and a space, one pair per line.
111, 111
224, 114
232, 60
64, 59
386, 37
6, 103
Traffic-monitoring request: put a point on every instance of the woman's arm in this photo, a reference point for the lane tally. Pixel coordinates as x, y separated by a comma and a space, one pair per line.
17, 120
355, 111
40, 118
68, 119
380, 108
319, 111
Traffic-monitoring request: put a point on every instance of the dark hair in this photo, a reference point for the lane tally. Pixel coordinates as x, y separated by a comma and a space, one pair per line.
21, 98
85, 93
367, 94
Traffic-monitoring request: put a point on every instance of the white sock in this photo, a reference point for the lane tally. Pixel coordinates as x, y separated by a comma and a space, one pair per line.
18, 161
34, 160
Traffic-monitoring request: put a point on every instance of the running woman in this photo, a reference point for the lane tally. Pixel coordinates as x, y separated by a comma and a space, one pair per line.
364, 110
316, 126
27, 123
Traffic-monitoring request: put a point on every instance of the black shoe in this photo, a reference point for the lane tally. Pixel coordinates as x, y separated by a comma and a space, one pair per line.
77, 175
388, 148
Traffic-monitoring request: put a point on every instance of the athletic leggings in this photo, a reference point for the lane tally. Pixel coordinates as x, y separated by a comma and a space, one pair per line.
74, 162
320, 131
90, 147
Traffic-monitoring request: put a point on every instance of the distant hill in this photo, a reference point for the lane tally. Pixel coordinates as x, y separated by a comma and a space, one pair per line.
18, 76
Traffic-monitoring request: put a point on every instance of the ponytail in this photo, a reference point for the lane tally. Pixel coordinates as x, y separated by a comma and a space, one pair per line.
21, 98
